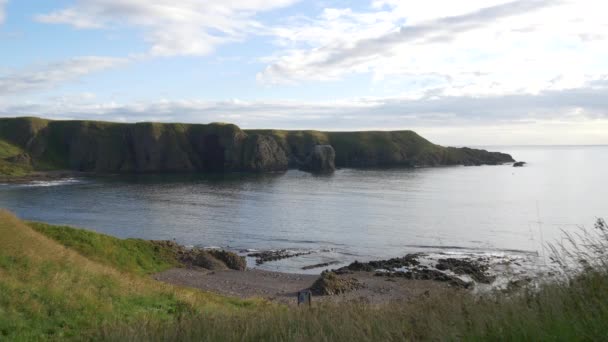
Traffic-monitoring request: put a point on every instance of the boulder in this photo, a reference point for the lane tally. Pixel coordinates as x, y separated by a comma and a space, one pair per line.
322, 159
232, 260
206, 260
330, 284
519, 164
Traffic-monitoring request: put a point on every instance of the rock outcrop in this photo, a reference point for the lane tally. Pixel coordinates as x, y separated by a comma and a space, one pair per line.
261, 153
379, 149
322, 159
103, 147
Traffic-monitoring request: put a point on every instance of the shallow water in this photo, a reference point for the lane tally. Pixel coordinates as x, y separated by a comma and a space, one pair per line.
352, 214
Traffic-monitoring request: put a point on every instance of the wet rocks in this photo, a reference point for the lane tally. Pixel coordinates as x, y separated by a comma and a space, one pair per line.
474, 269
409, 260
266, 256
330, 283
322, 159
325, 264
410, 266
426, 274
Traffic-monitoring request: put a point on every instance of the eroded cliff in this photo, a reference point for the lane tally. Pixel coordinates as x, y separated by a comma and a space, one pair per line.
104, 147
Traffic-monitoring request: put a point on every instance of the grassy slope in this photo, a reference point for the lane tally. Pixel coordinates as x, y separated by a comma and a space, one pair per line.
48, 291
8, 150
132, 255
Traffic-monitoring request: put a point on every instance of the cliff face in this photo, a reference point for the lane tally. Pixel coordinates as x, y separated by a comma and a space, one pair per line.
380, 149
153, 147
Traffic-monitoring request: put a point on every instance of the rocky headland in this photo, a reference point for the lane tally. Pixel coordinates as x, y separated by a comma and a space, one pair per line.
30, 145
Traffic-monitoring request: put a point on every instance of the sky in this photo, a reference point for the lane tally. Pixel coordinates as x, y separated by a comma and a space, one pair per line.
468, 72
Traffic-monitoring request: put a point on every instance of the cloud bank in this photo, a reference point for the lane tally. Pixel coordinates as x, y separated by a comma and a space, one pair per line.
578, 113
470, 47
184, 27
53, 74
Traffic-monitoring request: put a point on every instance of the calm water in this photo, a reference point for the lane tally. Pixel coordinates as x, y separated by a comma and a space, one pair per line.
353, 214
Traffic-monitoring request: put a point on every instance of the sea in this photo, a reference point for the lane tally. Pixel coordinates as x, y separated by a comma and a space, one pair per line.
353, 214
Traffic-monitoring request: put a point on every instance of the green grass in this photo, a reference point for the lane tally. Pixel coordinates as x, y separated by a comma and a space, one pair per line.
131, 255
575, 312
9, 169
65, 283
8, 150
50, 292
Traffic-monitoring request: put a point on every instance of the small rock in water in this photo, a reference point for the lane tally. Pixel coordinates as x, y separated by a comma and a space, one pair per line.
519, 164
325, 264
475, 269
266, 256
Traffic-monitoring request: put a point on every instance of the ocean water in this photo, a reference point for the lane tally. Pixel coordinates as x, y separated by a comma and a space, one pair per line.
350, 215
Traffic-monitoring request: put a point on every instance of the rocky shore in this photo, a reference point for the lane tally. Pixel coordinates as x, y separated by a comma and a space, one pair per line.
379, 281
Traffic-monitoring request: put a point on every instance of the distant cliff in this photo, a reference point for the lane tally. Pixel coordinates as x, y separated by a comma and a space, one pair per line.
28, 144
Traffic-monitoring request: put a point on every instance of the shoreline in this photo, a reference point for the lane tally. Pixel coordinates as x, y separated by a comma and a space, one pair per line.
373, 282
41, 176
282, 287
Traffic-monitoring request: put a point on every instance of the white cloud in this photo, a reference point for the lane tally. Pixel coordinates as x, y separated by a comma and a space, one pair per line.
184, 27
2, 10
53, 74
474, 47
575, 116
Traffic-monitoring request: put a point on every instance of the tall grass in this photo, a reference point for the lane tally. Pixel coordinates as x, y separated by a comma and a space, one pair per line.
572, 310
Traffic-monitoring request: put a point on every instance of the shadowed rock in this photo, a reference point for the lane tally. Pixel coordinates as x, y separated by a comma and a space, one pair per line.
322, 159
262, 153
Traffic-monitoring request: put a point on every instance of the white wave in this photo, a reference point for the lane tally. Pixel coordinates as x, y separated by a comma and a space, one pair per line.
47, 183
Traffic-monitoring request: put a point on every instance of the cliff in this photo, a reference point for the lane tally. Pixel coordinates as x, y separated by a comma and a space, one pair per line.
28, 144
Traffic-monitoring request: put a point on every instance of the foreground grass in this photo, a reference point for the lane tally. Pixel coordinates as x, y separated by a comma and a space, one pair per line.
48, 291
578, 312
81, 285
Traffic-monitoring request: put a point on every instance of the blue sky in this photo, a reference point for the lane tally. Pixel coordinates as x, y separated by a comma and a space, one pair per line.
474, 72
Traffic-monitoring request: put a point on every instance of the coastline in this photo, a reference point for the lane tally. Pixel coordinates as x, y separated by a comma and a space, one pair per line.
374, 282
41, 176
282, 287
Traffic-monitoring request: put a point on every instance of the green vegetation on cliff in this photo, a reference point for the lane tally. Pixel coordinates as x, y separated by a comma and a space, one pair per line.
104, 147
77, 290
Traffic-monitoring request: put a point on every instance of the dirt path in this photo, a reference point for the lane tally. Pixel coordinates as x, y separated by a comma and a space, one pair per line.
283, 287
